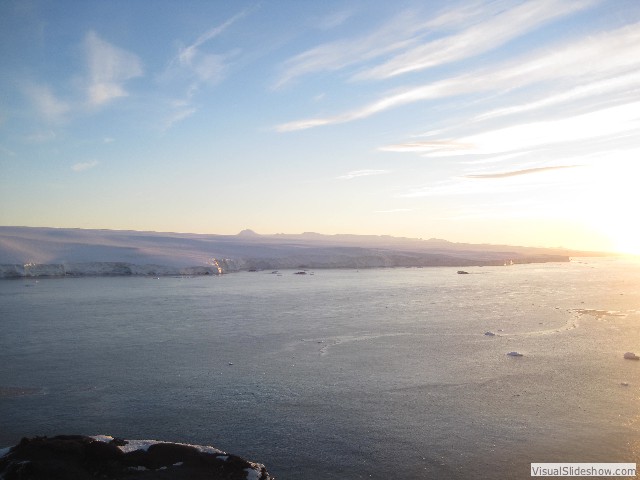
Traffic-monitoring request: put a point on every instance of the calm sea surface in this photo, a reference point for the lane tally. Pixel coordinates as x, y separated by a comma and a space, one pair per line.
343, 374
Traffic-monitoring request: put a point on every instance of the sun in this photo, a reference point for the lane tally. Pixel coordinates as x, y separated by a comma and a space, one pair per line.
621, 230
618, 228
609, 203
628, 243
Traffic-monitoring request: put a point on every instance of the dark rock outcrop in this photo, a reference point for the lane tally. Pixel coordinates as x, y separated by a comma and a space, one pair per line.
78, 457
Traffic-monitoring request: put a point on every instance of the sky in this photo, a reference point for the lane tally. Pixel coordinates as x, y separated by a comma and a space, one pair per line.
505, 122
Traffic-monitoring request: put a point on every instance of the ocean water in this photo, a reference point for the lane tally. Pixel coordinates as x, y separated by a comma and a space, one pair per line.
339, 374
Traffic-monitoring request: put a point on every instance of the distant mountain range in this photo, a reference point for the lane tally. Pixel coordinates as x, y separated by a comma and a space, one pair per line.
29, 251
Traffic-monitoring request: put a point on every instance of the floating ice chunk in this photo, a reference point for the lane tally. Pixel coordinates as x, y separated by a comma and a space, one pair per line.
490, 334
631, 356
515, 354
253, 474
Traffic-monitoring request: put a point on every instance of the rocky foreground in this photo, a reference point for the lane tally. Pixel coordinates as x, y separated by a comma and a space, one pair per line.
78, 457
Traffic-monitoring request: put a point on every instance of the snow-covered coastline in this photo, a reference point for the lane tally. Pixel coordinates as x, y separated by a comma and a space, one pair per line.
100, 269
52, 252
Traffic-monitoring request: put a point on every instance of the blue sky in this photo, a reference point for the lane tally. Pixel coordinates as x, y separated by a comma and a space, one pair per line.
475, 121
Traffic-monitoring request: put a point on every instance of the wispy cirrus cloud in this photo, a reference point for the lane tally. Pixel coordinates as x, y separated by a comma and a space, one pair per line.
607, 55
626, 82
361, 173
436, 90
82, 166
496, 158
109, 67
334, 19
200, 66
427, 146
493, 186
521, 139
107, 70
194, 67
188, 56
48, 106
516, 173
492, 32
478, 27
404, 31
340, 54
178, 114
605, 122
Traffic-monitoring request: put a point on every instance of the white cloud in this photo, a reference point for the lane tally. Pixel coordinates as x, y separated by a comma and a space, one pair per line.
82, 166
427, 146
334, 19
187, 55
339, 54
49, 107
109, 68
179, 115
200, 66
484, 36
521, 139
361, 173
606, 122
595, 59
486, 26
626, 82
193, 67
